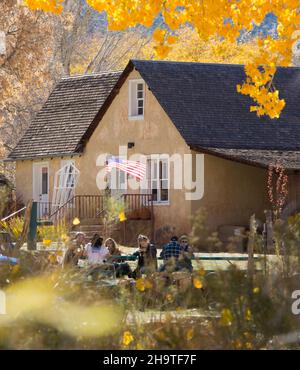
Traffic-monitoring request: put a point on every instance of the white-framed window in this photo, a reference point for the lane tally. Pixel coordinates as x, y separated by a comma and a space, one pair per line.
136, 107
117, 181
158, 178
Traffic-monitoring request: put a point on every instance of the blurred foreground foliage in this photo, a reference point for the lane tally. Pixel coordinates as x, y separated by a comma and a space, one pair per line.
49, 307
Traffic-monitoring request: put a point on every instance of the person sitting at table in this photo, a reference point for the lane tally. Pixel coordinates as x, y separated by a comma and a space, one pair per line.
96, 252
146, 254
121, 268
186, 255
113, 250
75, 251
170, 254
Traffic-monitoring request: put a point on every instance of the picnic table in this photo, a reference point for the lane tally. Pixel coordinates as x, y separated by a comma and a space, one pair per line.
196, 258
212, 262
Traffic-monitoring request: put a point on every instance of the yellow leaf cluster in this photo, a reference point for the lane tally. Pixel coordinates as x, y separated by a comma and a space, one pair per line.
197, 283
226, 317
54, 6
142, 284
248, 314
127, 338
259, 87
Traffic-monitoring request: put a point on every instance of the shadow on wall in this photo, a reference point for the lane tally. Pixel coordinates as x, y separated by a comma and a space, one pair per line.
132, 229
164, 234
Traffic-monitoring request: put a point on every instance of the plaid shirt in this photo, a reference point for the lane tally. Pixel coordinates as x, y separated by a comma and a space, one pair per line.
172, 249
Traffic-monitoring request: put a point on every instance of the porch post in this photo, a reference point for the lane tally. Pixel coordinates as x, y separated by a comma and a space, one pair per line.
251, 242
31, 236
124, 223
152, 219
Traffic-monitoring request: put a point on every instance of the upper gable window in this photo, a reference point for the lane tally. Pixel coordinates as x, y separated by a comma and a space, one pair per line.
136, 99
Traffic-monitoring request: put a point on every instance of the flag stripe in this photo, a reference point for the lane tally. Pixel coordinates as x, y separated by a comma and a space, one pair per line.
136, 169
125, 169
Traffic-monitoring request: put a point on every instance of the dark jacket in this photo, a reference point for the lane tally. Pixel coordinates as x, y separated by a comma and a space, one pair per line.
185, 259
147, 261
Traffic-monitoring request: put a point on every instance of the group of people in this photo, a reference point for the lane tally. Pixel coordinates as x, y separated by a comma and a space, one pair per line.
176, 255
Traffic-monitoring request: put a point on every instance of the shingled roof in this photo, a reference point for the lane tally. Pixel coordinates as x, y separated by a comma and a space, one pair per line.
200, 99
65, 117
202, 102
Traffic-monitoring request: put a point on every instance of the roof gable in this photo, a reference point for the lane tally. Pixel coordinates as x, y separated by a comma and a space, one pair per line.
67, 114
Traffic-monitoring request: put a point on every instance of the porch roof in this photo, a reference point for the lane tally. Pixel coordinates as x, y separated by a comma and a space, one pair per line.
290, 160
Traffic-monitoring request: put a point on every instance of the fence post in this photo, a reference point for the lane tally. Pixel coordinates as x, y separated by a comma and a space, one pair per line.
269, 230
24, 233
251, 247
124, 223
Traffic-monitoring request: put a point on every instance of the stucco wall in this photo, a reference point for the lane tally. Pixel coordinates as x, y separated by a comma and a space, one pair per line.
232, 193
24, 175
24, 180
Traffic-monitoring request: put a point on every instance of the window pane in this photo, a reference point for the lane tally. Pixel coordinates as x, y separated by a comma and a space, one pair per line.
140, 103
164, 195
164, 174
140, 87
160, 169
154, 184
148, 172
154, 172
140, 111
44, 180
122, 177
164, 184
70, 180
140, 94
154, 195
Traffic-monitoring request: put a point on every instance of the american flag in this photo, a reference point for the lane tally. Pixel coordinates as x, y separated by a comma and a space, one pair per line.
136, 169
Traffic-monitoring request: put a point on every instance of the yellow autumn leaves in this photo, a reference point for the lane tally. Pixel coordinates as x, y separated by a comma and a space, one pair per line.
211, 18
76, 221
259, 87
227, 318
142, 284
163, 42
54, 6
127, 338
